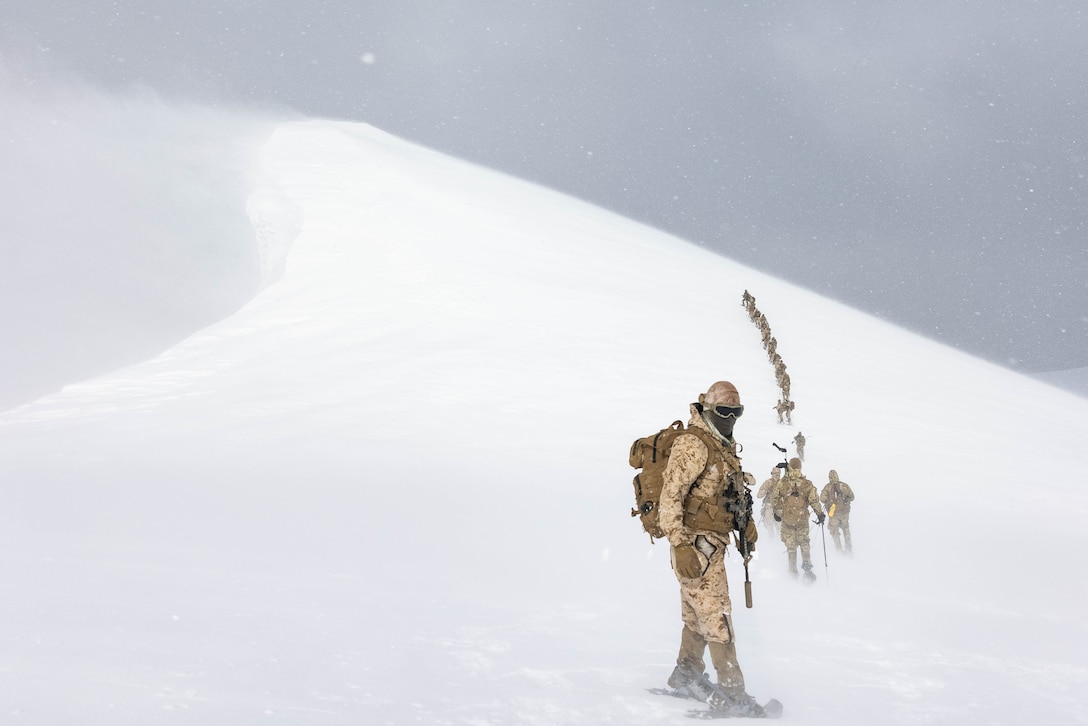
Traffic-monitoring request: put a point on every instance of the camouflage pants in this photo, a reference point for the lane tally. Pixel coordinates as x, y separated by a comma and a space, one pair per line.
766, 516
704, 601
794, 538
840, 524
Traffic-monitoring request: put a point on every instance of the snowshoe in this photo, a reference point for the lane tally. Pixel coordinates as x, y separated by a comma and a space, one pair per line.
747, 707
698, 686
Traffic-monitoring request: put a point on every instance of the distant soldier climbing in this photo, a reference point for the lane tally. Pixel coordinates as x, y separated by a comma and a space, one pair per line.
784, 384
784, 408
765, 494
836, 497
779, 369
799, 443
792, 499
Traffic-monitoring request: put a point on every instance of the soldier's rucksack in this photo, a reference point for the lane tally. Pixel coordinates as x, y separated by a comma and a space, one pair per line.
651, 455
795, 504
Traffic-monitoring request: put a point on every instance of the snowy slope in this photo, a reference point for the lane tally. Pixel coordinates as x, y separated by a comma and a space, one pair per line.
393, 487
1074, 379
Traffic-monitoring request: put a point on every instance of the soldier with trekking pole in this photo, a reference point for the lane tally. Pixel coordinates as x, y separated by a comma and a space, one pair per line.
792, 499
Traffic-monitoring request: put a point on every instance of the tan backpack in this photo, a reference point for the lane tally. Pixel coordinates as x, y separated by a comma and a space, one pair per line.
795, 502
651, 455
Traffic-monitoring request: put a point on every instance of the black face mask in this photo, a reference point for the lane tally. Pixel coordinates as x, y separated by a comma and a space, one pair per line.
722, 418
724, 426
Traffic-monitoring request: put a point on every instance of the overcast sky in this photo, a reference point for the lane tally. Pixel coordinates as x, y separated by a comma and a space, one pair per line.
926, 162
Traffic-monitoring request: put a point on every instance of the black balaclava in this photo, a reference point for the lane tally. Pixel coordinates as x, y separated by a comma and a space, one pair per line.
723, 424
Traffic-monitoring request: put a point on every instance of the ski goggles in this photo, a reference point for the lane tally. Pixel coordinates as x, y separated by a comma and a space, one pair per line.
726, 411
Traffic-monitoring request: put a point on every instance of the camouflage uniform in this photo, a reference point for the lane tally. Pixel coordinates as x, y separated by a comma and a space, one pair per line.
784, 408
784, 384
794, 514
799, 442
766, 511
704, 600
838, 493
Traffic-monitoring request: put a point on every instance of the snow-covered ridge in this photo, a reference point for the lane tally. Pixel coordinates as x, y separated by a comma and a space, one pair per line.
393, 486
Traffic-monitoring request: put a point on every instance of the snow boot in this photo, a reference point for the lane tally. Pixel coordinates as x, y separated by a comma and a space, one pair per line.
724, 658
689, 666
681, 679
810, 576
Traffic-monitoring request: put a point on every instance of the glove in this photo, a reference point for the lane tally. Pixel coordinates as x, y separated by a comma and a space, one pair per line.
686, 562
777, 517
820, 518
751, 533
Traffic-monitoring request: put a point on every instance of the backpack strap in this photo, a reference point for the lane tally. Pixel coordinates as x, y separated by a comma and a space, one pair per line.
713, 452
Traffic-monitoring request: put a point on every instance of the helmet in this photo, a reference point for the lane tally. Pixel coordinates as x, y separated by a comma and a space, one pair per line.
833, 475
722, 392
720, 407
795, 463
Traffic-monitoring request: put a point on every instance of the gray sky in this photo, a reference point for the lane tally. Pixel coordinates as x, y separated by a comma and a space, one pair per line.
925, 162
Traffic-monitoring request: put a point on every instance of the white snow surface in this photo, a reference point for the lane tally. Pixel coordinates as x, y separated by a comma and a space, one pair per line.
393, 488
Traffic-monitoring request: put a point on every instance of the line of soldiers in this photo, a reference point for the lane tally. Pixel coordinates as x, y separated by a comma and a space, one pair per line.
785, 406
786, 501
788, 497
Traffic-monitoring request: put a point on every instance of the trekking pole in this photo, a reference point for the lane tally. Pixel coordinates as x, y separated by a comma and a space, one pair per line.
823, 539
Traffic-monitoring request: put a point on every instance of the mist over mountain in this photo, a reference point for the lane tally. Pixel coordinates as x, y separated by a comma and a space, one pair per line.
928, 164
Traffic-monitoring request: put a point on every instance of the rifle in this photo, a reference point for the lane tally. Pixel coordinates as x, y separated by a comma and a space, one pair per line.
784, 465
741, 507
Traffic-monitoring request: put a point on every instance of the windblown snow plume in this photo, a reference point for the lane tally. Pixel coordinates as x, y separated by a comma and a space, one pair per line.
124, 229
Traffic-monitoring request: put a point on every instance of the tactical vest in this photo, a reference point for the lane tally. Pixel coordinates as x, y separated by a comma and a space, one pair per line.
651, 455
